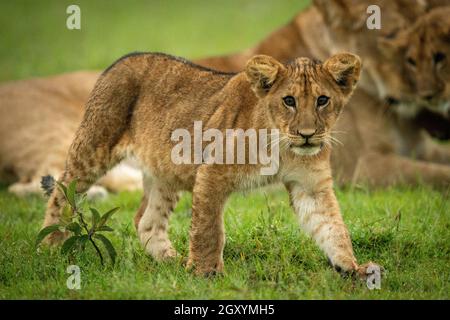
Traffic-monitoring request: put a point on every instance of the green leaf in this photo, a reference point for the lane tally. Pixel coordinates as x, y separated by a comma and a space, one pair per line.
68, 244
45, 232
95, 217
62, 187
107, 215
80, 198
74, 227
105, 228
108, 245
82, 240
71, 190
66, 214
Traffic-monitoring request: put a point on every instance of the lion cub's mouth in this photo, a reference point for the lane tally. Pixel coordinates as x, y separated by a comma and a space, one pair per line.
306, 148
411, 108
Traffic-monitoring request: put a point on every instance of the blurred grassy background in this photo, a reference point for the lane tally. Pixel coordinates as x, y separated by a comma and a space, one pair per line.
35, 41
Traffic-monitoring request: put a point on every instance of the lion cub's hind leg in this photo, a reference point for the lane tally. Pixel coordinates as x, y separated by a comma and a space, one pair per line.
152, 219
85, 177
85, 164
101, 140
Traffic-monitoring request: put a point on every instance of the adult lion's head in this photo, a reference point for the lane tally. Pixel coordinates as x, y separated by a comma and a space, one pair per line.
424, 51
348, 25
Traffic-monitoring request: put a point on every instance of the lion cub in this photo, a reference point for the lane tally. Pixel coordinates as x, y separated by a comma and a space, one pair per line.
143, 98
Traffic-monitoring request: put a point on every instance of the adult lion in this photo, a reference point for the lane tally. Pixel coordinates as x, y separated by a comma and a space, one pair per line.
380, 144
38, 120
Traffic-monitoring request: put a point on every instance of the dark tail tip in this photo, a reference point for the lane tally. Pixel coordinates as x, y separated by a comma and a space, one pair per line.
48, 184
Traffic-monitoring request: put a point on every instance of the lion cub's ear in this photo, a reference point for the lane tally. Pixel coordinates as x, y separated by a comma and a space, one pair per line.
345, 69
263, 71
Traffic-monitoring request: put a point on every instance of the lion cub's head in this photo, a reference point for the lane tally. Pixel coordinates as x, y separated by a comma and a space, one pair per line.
304, 98
425, 54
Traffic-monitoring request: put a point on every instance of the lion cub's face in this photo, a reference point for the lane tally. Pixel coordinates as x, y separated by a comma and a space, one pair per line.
420, 54
426, 53
304, 98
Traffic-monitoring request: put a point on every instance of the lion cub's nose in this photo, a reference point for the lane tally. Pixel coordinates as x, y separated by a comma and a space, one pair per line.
428, 96
306, 133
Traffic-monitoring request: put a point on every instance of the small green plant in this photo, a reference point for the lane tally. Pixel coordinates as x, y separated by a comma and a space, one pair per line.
73, 221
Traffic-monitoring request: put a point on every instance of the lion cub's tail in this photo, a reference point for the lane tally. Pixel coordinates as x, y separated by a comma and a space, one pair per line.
48, 184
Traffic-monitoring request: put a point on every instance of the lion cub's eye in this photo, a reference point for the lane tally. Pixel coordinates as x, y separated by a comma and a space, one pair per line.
411, 61
322, 101
289, 101
438, 57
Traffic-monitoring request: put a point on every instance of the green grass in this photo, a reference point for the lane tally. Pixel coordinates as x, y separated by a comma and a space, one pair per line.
266, 255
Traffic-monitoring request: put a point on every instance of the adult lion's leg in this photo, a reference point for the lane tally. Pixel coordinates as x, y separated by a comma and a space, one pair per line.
436, 152
152, 219
389, 169
124, 177
21, 189
416, 143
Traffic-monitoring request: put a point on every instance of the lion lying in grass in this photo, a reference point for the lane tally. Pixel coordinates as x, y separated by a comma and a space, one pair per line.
381, 142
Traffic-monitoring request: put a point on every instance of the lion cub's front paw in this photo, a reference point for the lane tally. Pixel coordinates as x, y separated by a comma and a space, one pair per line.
367, 269
205, 269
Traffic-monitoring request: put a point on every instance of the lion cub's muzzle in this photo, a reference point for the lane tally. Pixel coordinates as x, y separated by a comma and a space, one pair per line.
306, 142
